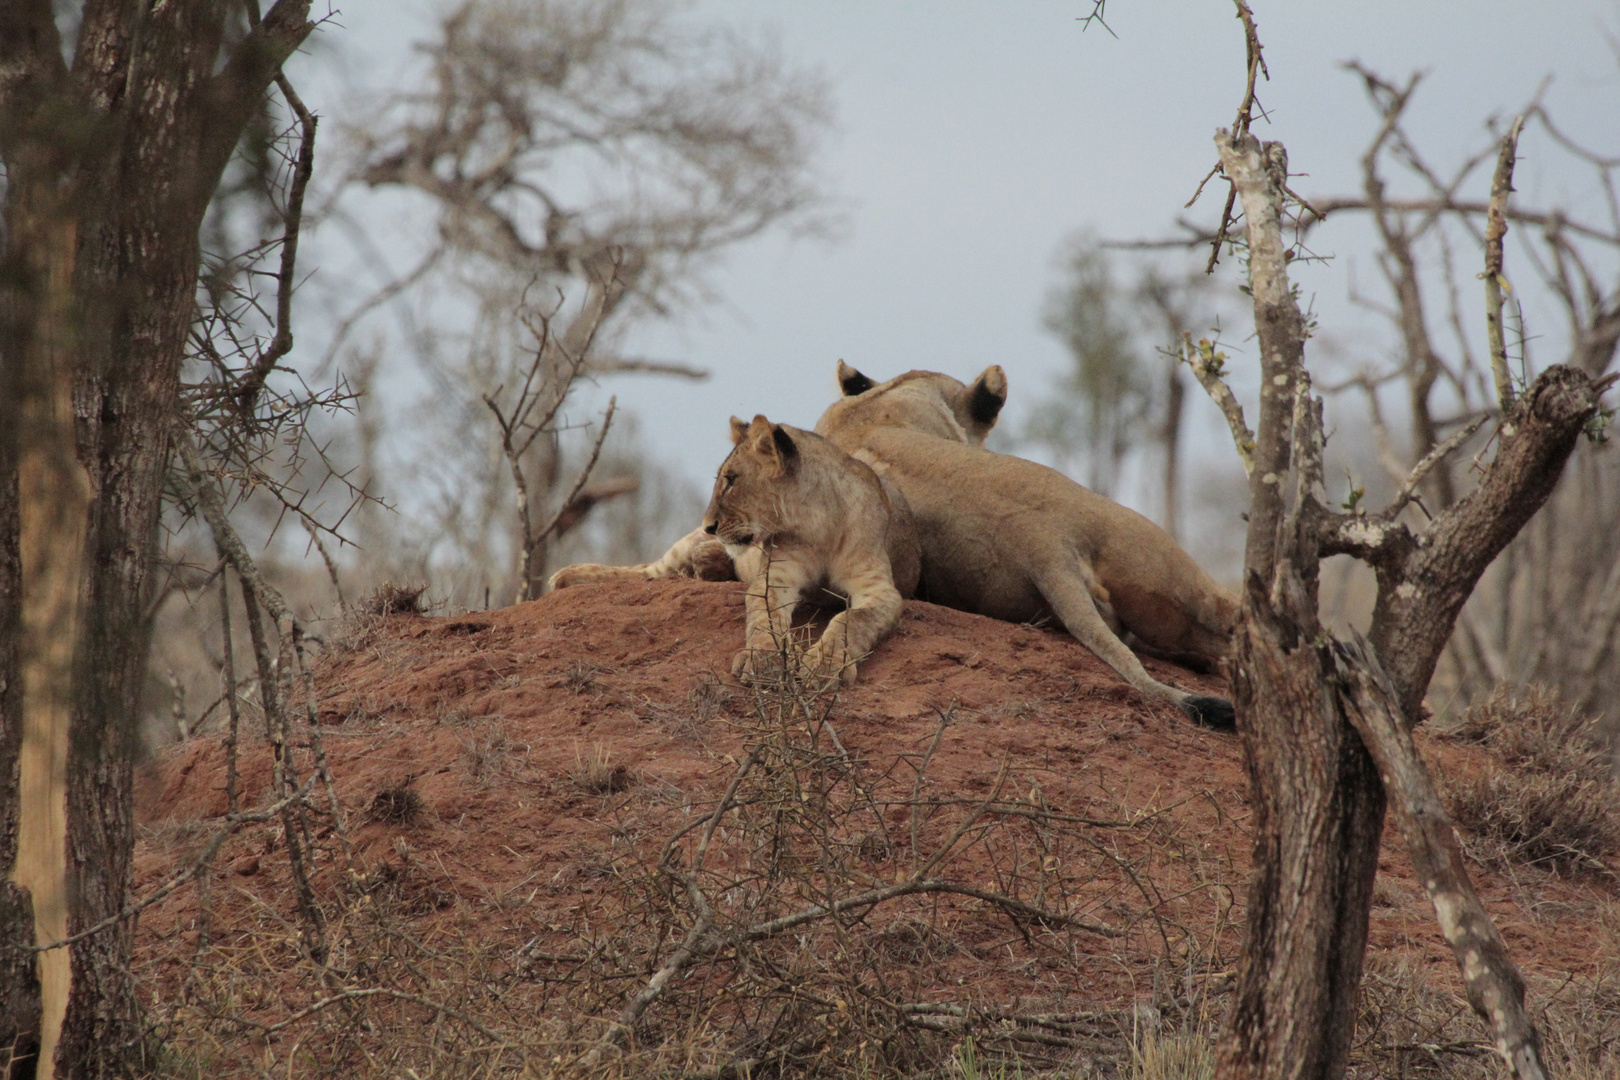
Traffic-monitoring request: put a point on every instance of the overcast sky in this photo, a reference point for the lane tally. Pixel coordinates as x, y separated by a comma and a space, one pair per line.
972, 138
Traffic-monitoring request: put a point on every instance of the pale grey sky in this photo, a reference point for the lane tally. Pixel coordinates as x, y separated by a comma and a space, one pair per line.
973, 137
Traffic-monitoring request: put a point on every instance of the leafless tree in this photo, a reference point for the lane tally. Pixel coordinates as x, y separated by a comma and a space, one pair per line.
579, 164
1550, 610
1326, 724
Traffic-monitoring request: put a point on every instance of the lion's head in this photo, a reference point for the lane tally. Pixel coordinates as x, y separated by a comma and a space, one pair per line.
922, 401
747, 505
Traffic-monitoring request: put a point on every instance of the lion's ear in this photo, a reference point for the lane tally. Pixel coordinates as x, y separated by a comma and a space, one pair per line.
986, 397
770, 442
739, 428
851, 381
787, 451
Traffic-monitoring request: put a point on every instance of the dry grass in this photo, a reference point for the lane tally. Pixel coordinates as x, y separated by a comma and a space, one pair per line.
596, 772
580, 677
1550, 797
1181, 1056
1410, 1028
487, 751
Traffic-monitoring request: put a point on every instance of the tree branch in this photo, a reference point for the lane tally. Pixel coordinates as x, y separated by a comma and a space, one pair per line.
247, 394
1258, 171
1424, 587
1494, 986
1495, 233
233, 92
1207, 367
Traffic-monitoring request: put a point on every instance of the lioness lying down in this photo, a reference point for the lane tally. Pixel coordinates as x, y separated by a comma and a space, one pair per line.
1011, 539
1016, 540
796, 516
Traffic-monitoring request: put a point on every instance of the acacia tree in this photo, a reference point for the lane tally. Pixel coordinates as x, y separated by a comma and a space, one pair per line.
1326, 725
111, 159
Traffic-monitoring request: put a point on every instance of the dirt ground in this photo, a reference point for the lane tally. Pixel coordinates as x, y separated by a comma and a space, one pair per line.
511, 782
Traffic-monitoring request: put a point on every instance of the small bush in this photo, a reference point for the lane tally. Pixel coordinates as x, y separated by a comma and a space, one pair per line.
1550, 797
392, 599
396, 804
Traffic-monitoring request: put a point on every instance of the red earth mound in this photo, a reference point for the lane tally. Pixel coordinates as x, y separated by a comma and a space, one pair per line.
555, 747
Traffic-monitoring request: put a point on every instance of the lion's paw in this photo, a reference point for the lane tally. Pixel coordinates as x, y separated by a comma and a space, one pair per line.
578, 574
831, 664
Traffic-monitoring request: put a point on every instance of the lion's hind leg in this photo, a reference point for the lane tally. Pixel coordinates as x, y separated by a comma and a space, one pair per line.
696, 555
1069, 590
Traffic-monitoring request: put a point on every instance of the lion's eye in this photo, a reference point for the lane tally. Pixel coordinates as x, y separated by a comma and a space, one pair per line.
729, 478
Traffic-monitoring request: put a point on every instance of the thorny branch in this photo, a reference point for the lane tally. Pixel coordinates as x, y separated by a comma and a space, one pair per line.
200, 863
277, 685
1256, 64
252, 382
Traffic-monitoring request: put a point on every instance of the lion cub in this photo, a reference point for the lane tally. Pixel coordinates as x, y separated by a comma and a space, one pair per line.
797, 515
792, 516
1015, 540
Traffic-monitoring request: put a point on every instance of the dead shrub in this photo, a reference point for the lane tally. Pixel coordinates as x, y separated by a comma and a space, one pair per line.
1549, 797
396, 804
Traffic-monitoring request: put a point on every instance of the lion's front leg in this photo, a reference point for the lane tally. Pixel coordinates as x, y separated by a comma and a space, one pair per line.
775, 584
874, 609
694, 555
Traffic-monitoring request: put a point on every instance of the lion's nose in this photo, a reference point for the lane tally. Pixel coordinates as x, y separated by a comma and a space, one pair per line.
711, 527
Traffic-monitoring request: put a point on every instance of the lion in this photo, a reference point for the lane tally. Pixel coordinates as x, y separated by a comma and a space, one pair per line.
796, 518
1015, 540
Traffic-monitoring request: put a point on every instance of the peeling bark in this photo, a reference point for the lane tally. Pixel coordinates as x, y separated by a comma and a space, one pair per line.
1318, 809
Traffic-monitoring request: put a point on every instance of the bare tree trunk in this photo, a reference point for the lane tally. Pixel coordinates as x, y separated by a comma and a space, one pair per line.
124, 150
1318, 814
1318, 808
52, 498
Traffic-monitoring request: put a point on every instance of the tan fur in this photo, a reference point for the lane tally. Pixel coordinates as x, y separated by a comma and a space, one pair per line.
696, 555
1015, 540
799, 516
792, 526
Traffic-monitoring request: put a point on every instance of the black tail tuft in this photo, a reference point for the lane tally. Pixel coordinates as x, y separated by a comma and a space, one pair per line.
1211, 712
